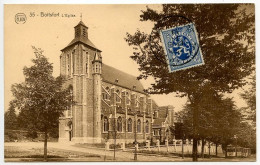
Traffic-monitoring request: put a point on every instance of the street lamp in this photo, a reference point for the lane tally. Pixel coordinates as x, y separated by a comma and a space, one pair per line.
235, 137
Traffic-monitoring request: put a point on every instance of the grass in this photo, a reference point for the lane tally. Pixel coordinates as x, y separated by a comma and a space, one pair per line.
172, 154
17, 152
102, 145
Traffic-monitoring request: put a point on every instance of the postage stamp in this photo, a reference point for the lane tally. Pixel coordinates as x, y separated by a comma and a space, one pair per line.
181, 46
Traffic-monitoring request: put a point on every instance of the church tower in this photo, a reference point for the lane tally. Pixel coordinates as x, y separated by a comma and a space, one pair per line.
81, 64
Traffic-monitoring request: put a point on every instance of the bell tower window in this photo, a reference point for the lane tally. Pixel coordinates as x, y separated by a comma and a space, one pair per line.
77, 33
81, 30
84, 32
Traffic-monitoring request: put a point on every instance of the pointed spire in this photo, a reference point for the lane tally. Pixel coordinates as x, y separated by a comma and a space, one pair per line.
97, 57
81, 23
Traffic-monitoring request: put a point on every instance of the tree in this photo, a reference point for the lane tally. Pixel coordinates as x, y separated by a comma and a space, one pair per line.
10, 117
219, 120
247, 136
226, 37
227, 119
250, 97
41, 98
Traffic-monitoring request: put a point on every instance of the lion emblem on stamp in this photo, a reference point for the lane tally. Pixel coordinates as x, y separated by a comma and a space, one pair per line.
181, 46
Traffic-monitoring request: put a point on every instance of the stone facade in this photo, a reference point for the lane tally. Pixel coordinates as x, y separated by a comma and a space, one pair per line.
162, 122
108, 103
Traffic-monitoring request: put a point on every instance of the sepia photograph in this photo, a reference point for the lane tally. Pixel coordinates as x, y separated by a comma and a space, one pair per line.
129, 82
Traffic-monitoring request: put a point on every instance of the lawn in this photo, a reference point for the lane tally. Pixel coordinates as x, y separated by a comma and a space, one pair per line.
15, 153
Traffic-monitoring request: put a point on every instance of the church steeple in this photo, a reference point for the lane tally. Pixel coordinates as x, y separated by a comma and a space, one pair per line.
81, 30
81, 36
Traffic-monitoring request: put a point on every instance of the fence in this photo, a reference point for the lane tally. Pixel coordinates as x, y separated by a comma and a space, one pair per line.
177, 148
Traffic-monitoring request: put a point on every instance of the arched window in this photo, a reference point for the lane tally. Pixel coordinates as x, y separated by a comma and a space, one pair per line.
87, 62
129, 125
69, 108
68, 64
106, 124
147, 126
119, 124
73, 61
138, 125
118, 99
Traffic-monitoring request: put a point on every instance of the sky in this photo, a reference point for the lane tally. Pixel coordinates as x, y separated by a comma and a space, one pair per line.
108, 25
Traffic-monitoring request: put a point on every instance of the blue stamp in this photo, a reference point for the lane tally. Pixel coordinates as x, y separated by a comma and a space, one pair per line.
181, 46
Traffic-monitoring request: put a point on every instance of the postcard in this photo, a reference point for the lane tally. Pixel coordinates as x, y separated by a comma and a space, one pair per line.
129, 83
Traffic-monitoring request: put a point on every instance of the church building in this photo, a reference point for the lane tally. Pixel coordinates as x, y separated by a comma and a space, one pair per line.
108, 103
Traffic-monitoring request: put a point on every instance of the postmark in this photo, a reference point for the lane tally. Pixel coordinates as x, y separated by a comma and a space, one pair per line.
181, 46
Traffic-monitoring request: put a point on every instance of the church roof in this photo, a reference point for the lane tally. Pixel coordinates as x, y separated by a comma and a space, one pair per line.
81, 23
110, 74
158, 122
83, 40
162, 112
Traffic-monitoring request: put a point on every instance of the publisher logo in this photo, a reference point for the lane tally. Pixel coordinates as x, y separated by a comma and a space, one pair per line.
20, 18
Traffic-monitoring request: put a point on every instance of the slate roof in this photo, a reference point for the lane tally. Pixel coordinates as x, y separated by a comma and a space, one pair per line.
81, 23
158, 122
162, 112
110, 74
83, 40
162, 115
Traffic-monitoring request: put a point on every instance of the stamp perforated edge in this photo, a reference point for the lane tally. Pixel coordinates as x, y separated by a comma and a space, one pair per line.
165, 51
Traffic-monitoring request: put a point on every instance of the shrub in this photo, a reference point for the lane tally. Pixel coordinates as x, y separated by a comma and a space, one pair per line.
129, 145
111, 146
32, 134
12, 136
